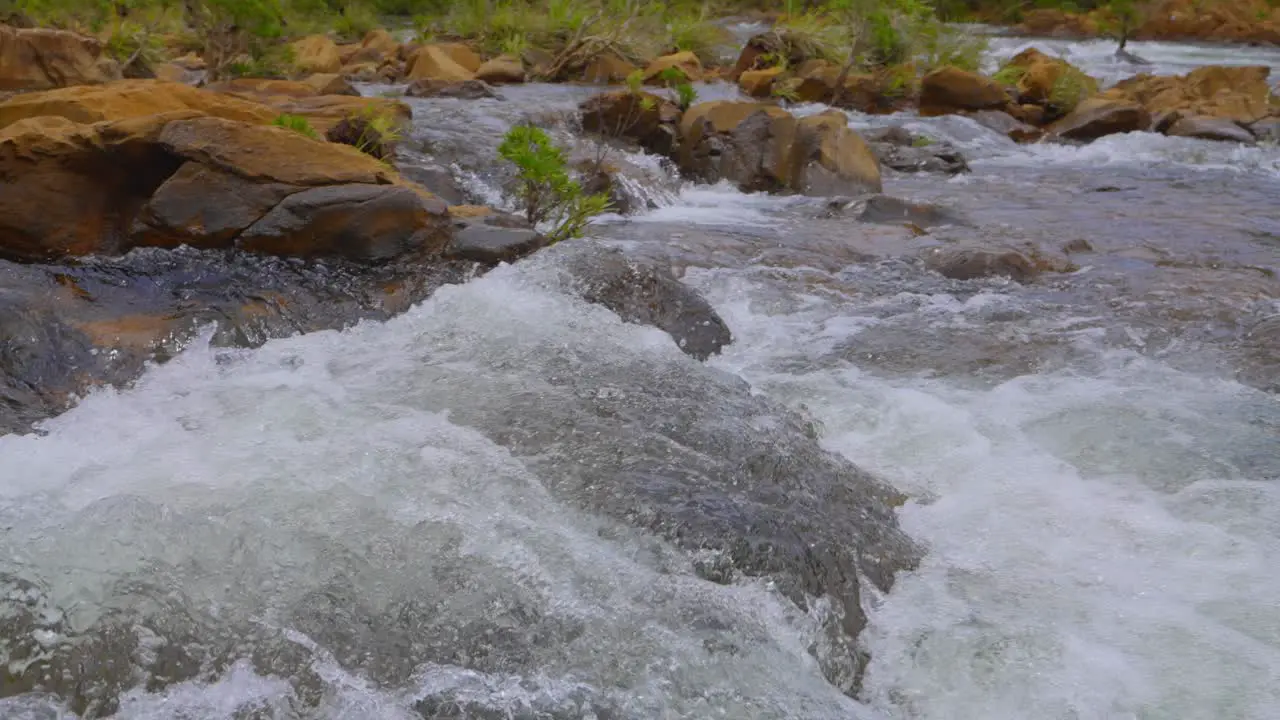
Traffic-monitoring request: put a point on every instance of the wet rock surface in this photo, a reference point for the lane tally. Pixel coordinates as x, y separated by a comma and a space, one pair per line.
900, 150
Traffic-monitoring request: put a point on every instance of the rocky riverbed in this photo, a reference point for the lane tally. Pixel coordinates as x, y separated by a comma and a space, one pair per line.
955, 405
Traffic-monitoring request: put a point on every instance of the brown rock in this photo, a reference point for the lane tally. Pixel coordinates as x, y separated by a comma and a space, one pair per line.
128, 99
759, 83
203, 207
463, 212
777, 46
1056, 23
173, 72
967, 262
686, 62
316, 54
502, 69
1048, 80
949, 90
1209, 128
40, 59
463, 55
381, 41
763, 147
356, 221
647, 119
1100, 116
1242, 94
461, 90
606, 69
330, 84
1007, 125
258, 88
435, 62
69, 189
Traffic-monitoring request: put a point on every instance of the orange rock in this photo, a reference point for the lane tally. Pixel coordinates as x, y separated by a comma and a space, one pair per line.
949, 89
316, 54
40, 59
436, 62
686, 62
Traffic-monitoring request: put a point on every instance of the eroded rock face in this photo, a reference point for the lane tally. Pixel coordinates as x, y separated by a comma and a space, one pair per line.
181, 178
40, 59
763, 147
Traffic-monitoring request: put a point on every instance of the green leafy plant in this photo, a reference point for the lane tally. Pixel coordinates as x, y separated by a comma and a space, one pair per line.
550, 196
372, 130
1009, 74
296, 123
677, 80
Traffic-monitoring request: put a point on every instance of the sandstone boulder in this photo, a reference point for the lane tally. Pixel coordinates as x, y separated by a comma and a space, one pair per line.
1045, 80
950, 90
462, 55
40, 59
381, 41
502, 69
647, 119
316, 54
180, 178
763, 147
129, 99
1209, 128
1101, 116
437, 62
686, 62
759, 83
1241, 94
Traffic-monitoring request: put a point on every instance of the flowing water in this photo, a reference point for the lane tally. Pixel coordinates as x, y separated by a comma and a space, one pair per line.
365, 524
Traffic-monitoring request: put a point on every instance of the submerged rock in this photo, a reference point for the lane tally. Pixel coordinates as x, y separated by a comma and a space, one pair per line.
900, 150
888, 209
763, 147
971, 262
1209, 128
646, 292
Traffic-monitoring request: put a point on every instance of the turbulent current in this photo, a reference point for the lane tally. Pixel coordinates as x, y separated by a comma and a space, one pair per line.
382, 522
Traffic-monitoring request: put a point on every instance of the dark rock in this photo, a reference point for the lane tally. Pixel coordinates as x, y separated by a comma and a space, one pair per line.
360, 222
897, 148
487, 243
361, 133
459, 89
1209, 128
651, 121
1007, 125
204, 208
432, 176
980, 261
1096, 117
646, 292
888, 209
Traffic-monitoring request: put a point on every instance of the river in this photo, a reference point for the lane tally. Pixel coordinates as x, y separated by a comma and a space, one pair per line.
1092, 463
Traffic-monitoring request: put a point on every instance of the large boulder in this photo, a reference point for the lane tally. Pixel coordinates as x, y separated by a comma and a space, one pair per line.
763, 147
1101, 116
647, 119
40, 59
502, 69
130, 99
69, 189
316, 54
1241, 94
951, 90
1048, 81
437, 62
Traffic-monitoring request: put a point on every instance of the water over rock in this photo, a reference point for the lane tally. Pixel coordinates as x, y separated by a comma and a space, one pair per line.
899, 149
1209, 128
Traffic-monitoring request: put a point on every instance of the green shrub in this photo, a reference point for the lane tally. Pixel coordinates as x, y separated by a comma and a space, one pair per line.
1009, 74
296, 123
547, 191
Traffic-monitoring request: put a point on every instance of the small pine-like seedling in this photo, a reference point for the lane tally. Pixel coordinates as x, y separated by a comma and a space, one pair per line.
296, 123
549, 194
